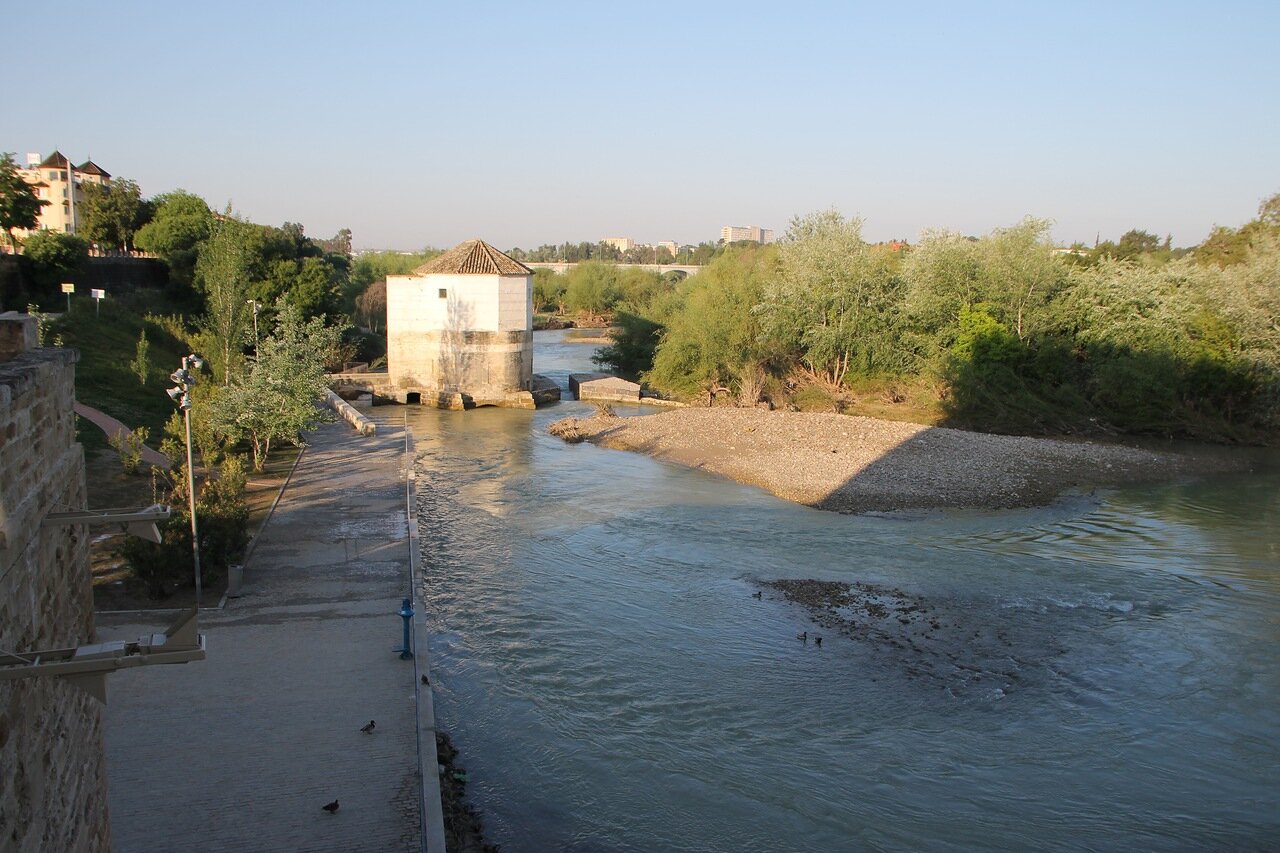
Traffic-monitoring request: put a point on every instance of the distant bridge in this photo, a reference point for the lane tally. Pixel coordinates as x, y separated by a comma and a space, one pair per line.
563, 267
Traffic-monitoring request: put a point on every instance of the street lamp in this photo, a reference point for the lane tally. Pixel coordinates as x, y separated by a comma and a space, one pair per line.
256, 305
183, 378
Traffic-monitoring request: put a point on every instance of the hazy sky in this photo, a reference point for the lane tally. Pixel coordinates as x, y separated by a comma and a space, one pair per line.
418, 124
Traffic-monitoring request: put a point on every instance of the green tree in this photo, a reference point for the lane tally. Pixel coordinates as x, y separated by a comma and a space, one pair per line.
109, 213
1013, 272
548, 290
711, 325
592, 289
19, 204
55, 257
140, 365
222, 277
276, 401
180, 223
834, 302
223, 519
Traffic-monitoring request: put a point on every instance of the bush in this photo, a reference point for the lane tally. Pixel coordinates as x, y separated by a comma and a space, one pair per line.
129, 446
223, 520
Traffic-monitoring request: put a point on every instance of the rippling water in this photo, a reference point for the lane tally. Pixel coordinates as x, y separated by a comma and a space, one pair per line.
1103, 673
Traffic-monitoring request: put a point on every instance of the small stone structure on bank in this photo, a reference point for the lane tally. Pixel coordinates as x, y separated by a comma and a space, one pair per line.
53, 793
603, 387
460, 332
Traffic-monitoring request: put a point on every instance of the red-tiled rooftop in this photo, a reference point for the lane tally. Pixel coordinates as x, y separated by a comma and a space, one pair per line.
474, 257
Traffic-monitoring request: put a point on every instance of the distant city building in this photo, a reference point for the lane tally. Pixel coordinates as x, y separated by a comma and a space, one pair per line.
622, 244
753, 233
670, 245
58, 182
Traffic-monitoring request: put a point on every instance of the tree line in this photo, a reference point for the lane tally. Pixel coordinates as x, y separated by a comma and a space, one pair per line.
269, 308
1008, 332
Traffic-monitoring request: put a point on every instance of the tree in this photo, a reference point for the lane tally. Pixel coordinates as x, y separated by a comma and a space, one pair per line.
140, 365
109, 213
592, 289
339, 244
1012, 271
181, 222
55, 257
371, 306
834, 301
548, 290
222, 277
277, 400
19, 204
1269, 211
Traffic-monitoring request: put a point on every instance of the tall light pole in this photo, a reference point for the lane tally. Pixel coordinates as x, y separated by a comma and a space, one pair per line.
183, 378
256, 305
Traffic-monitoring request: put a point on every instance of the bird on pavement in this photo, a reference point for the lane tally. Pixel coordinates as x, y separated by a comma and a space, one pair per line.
369, 728
330, 807
425, 681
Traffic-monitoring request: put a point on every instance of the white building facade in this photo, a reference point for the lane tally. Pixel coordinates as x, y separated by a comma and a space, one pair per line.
460, 329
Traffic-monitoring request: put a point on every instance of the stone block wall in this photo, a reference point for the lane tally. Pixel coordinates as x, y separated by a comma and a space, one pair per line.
53, 793
482, 365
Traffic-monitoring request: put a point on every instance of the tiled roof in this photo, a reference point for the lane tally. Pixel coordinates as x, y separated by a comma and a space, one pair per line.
55, 161
474, 257
91, 168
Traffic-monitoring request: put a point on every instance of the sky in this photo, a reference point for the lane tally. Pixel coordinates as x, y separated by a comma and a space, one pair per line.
425, 124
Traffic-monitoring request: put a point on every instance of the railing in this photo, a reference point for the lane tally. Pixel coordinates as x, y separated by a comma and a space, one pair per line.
94, 252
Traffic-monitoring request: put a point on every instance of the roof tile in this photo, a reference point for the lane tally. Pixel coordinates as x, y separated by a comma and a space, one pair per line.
474, 257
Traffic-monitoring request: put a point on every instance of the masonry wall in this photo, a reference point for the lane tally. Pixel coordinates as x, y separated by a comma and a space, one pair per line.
460, 333
53, 792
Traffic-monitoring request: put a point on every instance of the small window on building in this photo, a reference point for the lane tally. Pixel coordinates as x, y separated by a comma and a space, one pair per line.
444, 293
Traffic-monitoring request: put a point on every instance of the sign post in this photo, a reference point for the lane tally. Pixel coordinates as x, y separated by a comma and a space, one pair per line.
97, 301
68, 288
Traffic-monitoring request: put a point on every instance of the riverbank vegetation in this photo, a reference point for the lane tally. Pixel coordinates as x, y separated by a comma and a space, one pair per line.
269, 309
1007, 332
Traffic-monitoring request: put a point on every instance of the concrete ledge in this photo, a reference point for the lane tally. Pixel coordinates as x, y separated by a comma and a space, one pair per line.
433, 838
347, 412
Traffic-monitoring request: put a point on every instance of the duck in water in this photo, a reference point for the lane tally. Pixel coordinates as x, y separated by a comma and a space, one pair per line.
804, 638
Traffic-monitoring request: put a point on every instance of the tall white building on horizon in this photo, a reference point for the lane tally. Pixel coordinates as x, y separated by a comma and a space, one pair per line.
753, 233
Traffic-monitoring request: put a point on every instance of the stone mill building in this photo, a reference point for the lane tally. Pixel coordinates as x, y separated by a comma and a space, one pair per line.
460, 331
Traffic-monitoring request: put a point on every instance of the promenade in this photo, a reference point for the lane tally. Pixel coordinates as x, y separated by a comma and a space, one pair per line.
240, 751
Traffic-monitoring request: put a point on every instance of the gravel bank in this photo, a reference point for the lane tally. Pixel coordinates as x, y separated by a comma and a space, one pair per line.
856, 464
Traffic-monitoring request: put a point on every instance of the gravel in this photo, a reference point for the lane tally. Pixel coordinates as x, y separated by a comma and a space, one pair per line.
857, 464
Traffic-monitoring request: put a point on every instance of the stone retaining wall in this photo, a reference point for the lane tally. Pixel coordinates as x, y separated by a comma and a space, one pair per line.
52, 774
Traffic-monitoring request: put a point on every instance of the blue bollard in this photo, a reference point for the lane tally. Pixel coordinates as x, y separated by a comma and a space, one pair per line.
406, 613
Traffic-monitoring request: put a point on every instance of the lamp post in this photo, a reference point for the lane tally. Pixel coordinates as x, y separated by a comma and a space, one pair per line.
183, 378
256, 305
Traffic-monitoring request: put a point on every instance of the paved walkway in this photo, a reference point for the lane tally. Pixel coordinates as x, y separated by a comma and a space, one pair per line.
240, 751
113, 427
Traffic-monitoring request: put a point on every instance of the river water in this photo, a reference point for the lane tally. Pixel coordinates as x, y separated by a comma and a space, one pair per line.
1099, 674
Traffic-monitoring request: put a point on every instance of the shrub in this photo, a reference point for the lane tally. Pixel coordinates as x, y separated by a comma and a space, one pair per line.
223, 520
129, 445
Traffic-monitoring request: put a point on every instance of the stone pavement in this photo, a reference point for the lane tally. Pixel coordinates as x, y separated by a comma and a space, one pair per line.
240, 751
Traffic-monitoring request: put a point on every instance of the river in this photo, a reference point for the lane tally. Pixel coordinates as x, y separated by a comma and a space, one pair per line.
1098, 674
